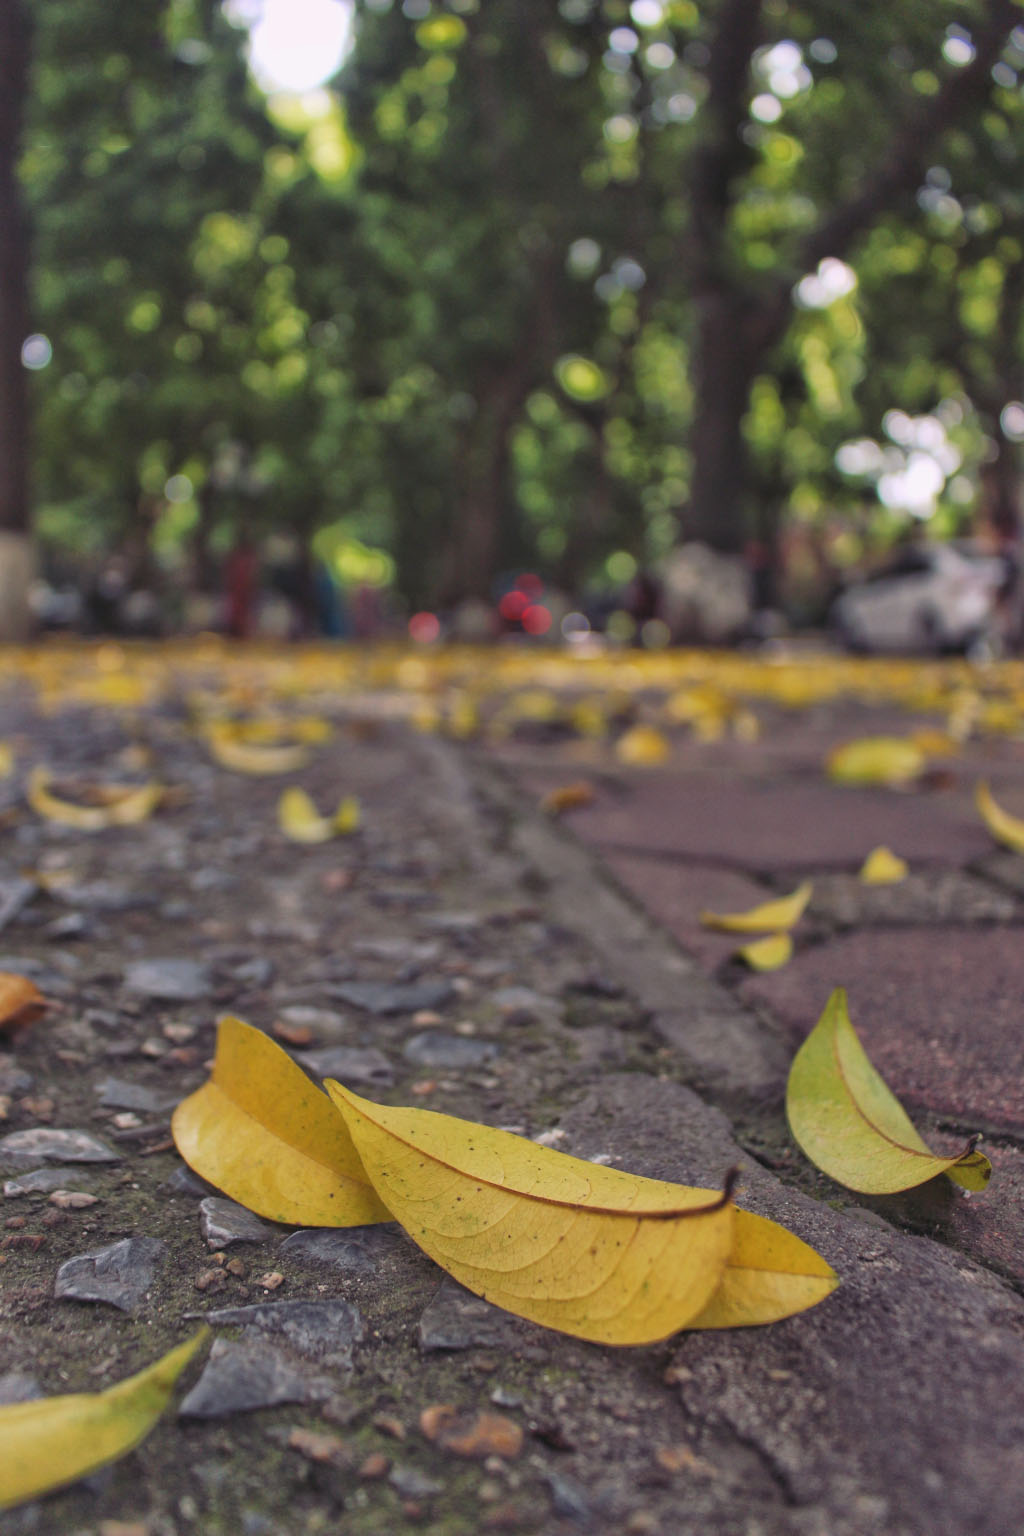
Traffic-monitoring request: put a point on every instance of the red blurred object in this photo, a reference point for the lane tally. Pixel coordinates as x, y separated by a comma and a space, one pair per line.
513, 605
536, 620
532, 585
424, 628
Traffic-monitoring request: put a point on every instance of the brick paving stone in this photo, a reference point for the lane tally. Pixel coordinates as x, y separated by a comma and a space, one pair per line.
675, 893
938, 1010
782, 826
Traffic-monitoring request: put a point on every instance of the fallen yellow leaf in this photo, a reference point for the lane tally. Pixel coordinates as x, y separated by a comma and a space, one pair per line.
348, 817
883, 867
20, 1001
771, 1274
124, 805
261, 1131
6, 760
890, 760
1006, 829
769, 954
567, 797
54, 1441
771, 916
642, 746
589, 1250
299, 819
255, 757
850, 1124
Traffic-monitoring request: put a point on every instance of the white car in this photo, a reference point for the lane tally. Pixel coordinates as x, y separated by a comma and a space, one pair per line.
930, 597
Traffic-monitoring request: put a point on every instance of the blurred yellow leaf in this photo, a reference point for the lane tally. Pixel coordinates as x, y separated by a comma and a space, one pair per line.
53, 1441
6, 760
771, 1274
883, 867
771, 916
255, 758
123, 805
348, 817
20, 1001
299, 819
769, 954
1006, 829
261, 1131
589, 1250
876, 760
567, 797
642, 746
850, 1124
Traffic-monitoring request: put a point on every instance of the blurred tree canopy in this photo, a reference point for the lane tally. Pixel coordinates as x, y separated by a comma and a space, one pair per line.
532, 282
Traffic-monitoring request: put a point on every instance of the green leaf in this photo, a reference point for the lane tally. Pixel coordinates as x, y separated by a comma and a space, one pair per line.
850, 1124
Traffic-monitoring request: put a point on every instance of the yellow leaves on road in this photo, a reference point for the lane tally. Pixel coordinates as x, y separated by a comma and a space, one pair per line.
113, 805
1006, 829
888, 760
769, 917
851, 1125
301, 822
589, 1250
53, 1441
883, 867
21, 1002
261, 1131
768, 954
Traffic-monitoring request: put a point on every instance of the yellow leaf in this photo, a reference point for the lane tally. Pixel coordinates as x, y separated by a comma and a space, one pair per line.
348, 816
1006, 829
875, 760
124, 805
21, 1001
261, 1131
771, 916
851, 1125
642, 746
567, 797
883, 867
300, 820
589, 1250
54, 1441
769, 954
253, 757
771, 1274
6, 760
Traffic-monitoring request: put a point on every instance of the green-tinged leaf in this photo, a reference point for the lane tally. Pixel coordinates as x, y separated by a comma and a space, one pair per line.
54, 1441
850, 1124
883, 867
770, 917
589, 1250
769, 954
1006, 829
771, 1274
262, 1131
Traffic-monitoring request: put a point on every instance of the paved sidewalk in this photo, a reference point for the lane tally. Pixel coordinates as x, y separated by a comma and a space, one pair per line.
466, 953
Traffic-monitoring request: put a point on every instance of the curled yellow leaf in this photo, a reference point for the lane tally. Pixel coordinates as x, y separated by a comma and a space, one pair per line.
262, 1131
851, 1125
589, 1250
768, 954
299, 819
771, 1274
1006, 829
883, 867
255, 758
53, 1441
21, 1001
770, 916
122, 805
889, 760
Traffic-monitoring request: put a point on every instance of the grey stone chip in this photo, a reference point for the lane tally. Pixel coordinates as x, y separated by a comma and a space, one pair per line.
325, 1331
244, 1374
433, 1048
224, 1222
171, 981
71, 1146
349, 1064
381, 997
356, 1250
120, 1274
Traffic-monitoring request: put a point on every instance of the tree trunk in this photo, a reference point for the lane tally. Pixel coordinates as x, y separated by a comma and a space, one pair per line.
15, 549
726, 363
